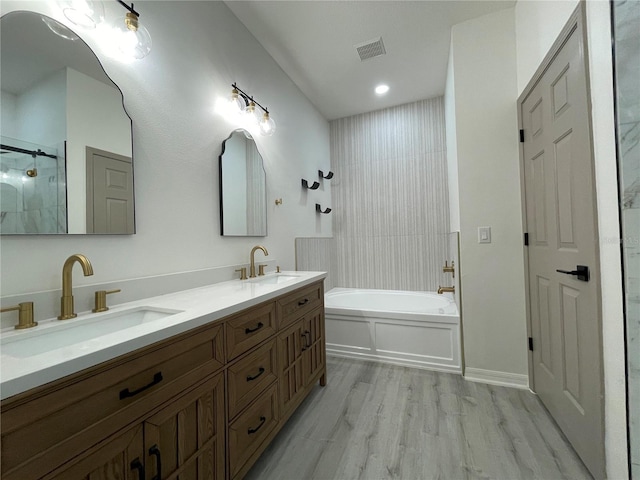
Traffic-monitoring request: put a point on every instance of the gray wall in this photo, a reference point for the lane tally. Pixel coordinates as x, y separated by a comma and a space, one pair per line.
389, 200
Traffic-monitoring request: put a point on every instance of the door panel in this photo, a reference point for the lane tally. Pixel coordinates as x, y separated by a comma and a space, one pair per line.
561, 219
187, 437
109, 193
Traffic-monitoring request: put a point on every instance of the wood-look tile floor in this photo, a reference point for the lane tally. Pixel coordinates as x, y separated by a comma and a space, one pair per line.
375, 421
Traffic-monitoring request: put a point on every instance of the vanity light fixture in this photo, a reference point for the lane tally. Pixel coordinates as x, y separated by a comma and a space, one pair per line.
244, 103
133, 39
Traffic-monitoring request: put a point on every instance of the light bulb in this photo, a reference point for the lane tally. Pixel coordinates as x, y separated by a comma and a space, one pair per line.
86, 14
236, 102
132, 38
250, 114
267, 125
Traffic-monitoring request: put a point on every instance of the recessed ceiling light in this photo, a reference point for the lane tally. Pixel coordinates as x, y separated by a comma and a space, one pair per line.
382, 89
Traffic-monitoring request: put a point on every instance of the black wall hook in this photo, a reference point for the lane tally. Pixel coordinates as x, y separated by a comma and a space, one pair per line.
319, 209
305, 184
327, 177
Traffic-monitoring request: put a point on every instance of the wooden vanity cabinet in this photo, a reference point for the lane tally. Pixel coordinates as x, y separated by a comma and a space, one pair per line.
46, 427
185, 439
202, 405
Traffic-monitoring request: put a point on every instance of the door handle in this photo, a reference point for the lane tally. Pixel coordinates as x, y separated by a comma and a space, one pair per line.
581, 271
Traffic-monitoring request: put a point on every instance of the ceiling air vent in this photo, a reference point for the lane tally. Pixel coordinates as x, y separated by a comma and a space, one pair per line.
372, 48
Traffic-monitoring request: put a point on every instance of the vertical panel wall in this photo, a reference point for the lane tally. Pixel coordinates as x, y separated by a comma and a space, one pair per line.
389, 198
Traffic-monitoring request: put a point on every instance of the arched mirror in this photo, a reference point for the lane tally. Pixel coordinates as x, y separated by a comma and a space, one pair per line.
243, 187
66, 156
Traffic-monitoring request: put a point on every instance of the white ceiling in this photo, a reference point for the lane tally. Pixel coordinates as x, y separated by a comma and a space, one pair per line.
313, 42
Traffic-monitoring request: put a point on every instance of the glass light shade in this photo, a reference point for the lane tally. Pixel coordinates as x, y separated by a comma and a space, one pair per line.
87, 14
132, 38
59, 29
250, 114
267, 125
236, 102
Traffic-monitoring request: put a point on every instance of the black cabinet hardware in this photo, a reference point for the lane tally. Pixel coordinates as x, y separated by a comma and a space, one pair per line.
328, 176
251, 330
136, 464
156, 451
251, 431
304, 302
251, 378
126, 393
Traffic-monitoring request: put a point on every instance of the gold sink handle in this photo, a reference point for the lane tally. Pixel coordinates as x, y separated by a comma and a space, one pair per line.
101, 300
25, 315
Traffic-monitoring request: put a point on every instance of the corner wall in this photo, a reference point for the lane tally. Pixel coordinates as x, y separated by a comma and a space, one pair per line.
481, 93
199, 49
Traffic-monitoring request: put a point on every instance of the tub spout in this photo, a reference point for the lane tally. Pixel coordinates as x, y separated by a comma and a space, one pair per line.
442, 290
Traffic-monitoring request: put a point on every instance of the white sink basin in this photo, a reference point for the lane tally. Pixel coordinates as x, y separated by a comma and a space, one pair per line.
59, 334
274, 279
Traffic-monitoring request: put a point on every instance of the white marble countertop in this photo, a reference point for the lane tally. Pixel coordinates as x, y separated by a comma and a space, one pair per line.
198, 306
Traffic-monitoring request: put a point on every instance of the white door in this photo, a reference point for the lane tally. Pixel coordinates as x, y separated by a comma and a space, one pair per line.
109, 193
561, 223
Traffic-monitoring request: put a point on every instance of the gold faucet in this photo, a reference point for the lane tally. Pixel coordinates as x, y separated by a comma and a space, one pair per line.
442, 290
66, 302
450, 269
252, 267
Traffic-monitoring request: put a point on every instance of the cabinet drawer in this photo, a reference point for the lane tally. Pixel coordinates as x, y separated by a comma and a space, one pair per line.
246, 330
250, 429
250, 376
44, 429
298, 303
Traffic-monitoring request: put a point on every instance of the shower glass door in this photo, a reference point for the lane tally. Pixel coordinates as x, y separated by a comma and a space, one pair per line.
32, 188
626, 33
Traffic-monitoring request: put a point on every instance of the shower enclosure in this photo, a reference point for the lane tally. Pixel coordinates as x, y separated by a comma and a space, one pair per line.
626, 36
32, 188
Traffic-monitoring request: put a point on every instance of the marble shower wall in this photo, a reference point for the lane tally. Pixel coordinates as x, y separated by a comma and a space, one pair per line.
389, 199
627, 63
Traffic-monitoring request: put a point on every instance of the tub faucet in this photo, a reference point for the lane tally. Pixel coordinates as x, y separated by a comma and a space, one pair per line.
442, 290
66, 302
252, 267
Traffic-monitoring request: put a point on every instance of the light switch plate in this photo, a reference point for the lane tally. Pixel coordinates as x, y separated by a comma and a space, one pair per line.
484, 234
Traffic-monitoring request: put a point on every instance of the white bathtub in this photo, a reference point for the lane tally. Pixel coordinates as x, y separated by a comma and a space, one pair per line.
417, 329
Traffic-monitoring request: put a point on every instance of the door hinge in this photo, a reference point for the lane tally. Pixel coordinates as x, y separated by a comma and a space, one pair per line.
531, 343
526, 239
521, 136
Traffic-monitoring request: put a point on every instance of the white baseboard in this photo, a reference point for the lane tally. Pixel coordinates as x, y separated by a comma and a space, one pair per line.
494, 377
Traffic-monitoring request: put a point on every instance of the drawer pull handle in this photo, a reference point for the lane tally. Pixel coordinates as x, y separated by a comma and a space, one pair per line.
157, 378
254, 430
260, 372
136, 464
251, 330
307, 338
304, 302
156, 451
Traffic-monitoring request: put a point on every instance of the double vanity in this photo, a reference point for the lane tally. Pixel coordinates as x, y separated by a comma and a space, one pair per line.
193, 384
